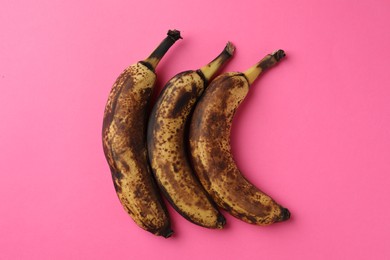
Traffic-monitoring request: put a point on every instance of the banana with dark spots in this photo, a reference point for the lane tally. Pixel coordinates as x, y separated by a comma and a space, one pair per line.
211, 152
167, 144
124, 142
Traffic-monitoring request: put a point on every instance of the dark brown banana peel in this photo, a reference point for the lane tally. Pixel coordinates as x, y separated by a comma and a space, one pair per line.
167, 144
124, 142
211, 152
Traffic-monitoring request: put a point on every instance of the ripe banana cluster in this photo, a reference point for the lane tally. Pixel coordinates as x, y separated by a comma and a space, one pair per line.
182, 149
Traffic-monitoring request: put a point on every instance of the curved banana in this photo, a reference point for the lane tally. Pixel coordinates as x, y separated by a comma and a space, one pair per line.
124, 142
211, 153
167, 147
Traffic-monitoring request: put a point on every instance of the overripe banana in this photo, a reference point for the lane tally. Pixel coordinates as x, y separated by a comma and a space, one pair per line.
167, 148
124, 142
211, 152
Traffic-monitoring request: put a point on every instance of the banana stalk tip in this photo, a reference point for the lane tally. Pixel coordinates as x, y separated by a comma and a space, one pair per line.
285, 214
230, 48
279, 54
221, 220
167, 233
174, 34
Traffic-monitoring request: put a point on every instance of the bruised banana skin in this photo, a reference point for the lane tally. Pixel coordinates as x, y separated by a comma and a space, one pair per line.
124, 142
167, 148
211, 152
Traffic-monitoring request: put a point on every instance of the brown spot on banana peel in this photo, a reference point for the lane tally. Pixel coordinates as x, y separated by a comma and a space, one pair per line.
184, 99
124, 142
211, 154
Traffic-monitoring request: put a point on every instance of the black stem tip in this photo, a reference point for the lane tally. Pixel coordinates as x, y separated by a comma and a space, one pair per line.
230, 48
285, 214
174, 35
167, 233
221, 220
278, 55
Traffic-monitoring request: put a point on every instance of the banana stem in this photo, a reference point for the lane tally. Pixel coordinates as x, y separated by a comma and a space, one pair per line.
155, 57
267, 62
211, 68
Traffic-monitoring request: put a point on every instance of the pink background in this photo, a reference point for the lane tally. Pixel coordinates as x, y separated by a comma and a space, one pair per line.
313, 133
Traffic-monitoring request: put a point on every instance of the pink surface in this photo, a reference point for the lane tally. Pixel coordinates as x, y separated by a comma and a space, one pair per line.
313, 133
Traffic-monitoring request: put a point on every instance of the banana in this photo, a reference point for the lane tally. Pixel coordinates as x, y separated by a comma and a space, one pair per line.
211, 152
167, 148
124, 142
